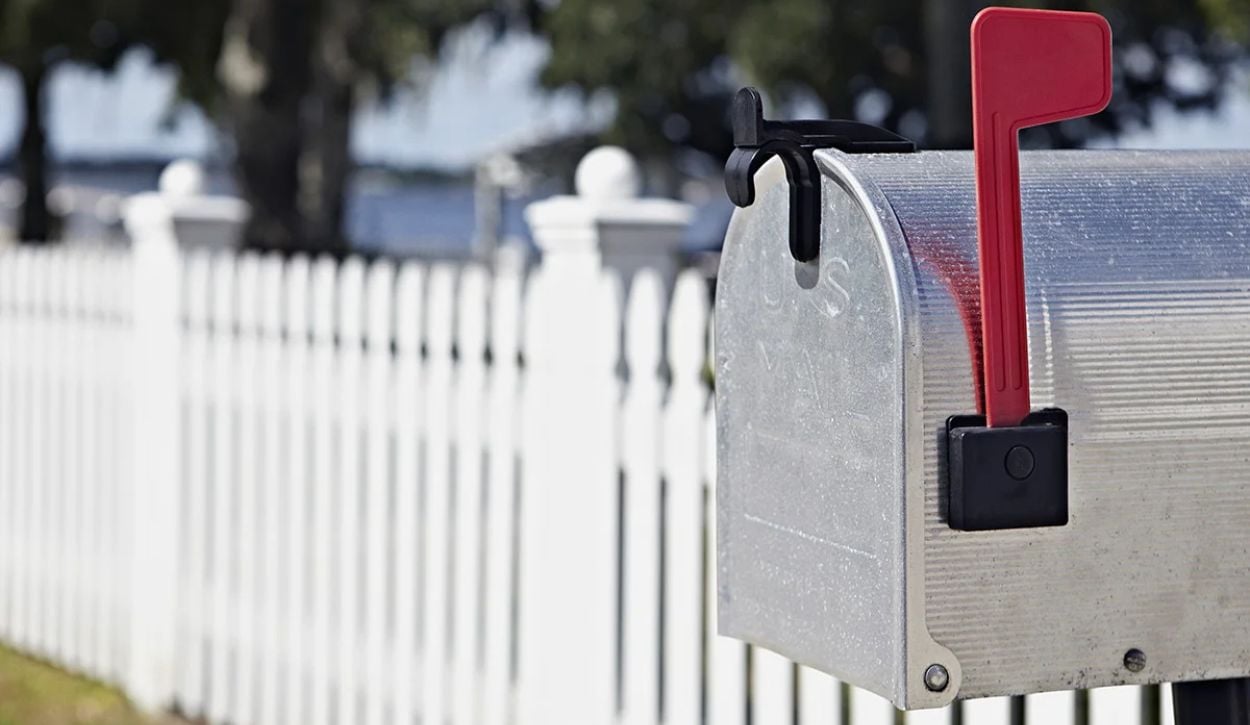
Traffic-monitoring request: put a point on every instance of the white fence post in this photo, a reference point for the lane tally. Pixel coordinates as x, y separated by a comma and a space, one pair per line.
569, 496
569, 517
154, 494
627, 233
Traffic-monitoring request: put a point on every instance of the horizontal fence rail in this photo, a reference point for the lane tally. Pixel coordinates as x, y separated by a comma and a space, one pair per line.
264, 490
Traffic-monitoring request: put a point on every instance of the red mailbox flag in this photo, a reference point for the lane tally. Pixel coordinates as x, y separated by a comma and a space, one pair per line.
1029, 67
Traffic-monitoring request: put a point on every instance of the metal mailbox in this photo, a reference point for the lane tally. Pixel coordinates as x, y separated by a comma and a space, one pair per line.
840, 381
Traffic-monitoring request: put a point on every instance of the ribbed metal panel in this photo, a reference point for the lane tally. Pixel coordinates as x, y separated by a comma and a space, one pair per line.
1138, 284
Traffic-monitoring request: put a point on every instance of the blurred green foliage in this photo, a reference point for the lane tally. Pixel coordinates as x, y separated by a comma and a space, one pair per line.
283, 77
672, 65
293, 71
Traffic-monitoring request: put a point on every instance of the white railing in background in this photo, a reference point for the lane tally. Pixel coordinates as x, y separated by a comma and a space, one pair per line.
270, 491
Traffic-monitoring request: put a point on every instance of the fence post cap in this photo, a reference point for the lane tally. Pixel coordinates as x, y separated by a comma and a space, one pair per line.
608, 172
183, 178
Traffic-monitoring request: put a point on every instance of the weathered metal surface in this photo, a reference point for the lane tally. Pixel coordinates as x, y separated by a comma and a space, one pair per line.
834, 546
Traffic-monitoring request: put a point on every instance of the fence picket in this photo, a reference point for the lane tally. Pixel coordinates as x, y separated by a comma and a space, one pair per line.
78, 415
25, 451
469, 385
409, 335
74, 475
772, 688
38, 472
246, 493
270, 496
683, 519
194, 473
297, 493
60, 433
435, 524
640, 442
95, 338
118, 284
222, 648
1058, 708
323, 393
1115, 705
501, 497
987, 711
379, 301
726, 658
348, 485
938, 716
820, 698
8, 448
867, 708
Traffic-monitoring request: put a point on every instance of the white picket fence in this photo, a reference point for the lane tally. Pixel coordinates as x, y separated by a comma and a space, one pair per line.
267, 491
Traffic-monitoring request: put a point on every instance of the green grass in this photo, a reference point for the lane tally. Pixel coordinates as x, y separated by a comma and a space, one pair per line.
33, 693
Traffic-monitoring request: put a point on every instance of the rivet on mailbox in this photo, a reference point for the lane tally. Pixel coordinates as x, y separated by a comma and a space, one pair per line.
983, 417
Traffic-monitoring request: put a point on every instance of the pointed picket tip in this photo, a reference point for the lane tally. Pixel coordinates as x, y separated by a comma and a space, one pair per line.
606, 338
224, 270
296, 307
688, 324
440, 314
199, 285
8, 281
505, 314
71, 283
351, 308
271, 273
248, 313
409, 307
644, 323
325, 283
471, 309
380, 300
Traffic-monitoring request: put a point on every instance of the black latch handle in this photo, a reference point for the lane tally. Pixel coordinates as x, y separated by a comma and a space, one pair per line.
757, 139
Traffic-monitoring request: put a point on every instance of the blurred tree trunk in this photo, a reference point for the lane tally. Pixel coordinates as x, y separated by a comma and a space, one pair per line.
949, 71
265, 70
32, 156
327, 167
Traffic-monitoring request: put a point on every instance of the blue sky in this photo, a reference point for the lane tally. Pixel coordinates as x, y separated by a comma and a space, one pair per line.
487, 99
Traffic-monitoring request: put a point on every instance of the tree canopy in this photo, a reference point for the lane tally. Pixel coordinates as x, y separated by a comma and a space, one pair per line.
672, 65
36, 35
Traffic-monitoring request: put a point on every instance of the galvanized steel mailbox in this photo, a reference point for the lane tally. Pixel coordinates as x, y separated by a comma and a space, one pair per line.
871, 522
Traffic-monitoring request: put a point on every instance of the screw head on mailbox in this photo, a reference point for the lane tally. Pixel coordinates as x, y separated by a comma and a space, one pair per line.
980, 426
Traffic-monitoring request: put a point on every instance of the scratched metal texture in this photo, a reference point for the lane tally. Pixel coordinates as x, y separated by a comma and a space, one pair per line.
1138, 286
1138, 291
809, 526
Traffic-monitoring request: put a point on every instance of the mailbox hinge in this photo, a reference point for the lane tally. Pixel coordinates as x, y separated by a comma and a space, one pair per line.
756, 140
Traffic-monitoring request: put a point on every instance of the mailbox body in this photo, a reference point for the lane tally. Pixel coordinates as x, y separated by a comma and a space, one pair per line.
834, 380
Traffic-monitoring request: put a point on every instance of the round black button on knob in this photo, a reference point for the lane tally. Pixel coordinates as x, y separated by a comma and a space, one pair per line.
1019, 462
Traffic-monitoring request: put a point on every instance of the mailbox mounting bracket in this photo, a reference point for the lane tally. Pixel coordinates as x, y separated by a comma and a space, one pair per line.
756, 140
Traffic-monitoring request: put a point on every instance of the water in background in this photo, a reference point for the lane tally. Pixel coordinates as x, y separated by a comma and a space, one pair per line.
415, 218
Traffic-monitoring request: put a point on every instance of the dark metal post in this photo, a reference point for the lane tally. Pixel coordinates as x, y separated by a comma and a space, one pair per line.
1212, 702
